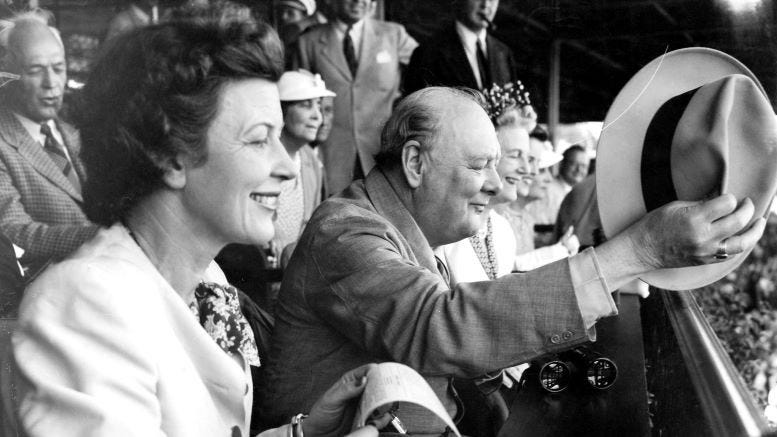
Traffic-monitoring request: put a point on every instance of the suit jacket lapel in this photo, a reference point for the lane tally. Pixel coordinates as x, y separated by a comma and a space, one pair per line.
497, 59
388, 205
331, 49
369, 47
458, 61
17, 136
223, 377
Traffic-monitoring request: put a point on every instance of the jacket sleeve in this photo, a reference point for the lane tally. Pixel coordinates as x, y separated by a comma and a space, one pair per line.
386, 303
40, 241
405, 45
85, 358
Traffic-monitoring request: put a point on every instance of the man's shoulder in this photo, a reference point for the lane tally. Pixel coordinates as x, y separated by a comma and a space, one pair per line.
9, 125
386, 26
313, 32
498, 44
353, 202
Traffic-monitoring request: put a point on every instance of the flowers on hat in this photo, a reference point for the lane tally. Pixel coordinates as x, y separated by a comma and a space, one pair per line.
501, 99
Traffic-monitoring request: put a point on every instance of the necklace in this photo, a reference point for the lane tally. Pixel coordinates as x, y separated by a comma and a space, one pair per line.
484, 248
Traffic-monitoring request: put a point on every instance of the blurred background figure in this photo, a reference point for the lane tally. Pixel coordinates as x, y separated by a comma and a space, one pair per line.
360, 59
545, 200
463, 53
301, 93
136, 13
292, 17
40, 168
327, 114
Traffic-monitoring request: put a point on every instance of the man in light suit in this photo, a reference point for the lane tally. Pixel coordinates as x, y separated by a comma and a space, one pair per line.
451, 57
40, 170
360, 60
363, 284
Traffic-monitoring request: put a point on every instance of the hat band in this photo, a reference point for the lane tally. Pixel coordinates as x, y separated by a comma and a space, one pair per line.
655, 169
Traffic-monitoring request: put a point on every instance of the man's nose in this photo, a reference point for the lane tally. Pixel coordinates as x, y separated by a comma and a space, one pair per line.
50, 78
493, 183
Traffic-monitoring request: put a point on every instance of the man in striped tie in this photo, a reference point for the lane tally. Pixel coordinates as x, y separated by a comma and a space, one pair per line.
40, 171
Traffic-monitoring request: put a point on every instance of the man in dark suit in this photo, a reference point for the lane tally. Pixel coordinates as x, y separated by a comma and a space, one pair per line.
360, 60
463, 53
40, 172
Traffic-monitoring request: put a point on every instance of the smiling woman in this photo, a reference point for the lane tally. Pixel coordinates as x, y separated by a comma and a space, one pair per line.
181, 141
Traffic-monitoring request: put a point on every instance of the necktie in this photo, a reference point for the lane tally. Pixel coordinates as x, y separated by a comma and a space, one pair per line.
350, 53
57, 154
217, 308
485, 72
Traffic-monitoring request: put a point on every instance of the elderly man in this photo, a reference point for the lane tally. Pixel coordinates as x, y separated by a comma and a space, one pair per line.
463, 53
40, 172
360, 59
364, 284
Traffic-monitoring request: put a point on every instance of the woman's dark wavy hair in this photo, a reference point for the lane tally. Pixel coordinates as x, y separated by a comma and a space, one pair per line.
154, 93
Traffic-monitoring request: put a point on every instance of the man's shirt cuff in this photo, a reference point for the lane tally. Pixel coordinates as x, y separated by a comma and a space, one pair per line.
591, 290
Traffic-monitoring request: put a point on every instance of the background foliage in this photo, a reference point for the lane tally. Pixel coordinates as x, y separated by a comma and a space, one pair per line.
742, 309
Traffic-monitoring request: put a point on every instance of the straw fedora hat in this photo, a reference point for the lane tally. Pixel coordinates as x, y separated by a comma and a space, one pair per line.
690, 125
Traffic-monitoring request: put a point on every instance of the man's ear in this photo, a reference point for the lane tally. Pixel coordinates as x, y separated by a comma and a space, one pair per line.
412, 164
174, 168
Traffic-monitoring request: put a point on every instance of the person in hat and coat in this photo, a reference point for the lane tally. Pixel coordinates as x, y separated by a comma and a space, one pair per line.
301, 93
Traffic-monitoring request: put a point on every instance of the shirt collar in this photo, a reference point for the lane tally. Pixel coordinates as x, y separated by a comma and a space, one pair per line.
33, 128
470, 38
356, 28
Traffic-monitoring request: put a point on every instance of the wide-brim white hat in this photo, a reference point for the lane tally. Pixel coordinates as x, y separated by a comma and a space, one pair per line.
690, 125
302, 85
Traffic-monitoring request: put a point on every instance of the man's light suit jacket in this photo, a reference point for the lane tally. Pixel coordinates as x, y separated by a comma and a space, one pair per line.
105, 347
364, 103
363, 286
40, 210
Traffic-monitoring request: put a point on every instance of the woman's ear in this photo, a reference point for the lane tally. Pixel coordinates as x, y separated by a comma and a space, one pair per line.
412, 164
174, 171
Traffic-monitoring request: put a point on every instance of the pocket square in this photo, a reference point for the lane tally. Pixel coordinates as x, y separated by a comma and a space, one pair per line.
383, 57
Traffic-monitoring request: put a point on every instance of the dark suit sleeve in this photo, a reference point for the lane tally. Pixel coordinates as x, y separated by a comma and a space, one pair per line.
297, 58
40, 241
416, 72
394, 308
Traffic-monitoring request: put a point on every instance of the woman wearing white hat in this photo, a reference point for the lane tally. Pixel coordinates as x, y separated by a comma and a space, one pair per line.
301, 93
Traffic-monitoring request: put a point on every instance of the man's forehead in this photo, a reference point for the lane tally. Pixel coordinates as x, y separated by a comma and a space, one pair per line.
35, 40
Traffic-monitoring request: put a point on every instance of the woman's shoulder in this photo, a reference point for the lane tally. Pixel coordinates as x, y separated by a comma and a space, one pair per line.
106, 271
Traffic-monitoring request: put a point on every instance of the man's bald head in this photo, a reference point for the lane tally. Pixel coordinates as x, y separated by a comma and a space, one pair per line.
34, 51
419, 117
444, 146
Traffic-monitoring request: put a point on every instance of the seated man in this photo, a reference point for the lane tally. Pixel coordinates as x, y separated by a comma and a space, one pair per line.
40, 169
364, 284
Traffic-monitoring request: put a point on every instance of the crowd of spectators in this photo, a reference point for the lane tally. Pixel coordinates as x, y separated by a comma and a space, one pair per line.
397, 207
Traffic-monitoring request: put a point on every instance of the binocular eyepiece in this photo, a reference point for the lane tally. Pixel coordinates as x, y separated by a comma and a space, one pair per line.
596, 371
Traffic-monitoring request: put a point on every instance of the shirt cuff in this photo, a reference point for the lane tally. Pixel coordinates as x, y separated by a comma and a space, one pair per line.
591, 290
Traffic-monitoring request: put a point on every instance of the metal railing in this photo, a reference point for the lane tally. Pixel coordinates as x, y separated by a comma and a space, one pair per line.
697, 388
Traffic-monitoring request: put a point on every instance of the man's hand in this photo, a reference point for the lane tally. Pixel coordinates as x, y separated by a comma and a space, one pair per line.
330, 416
683, 234
680, 234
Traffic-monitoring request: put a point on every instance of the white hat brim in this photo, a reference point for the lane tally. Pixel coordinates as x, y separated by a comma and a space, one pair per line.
619, 151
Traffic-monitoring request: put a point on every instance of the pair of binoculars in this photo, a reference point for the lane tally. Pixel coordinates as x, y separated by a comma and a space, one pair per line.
595, 371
